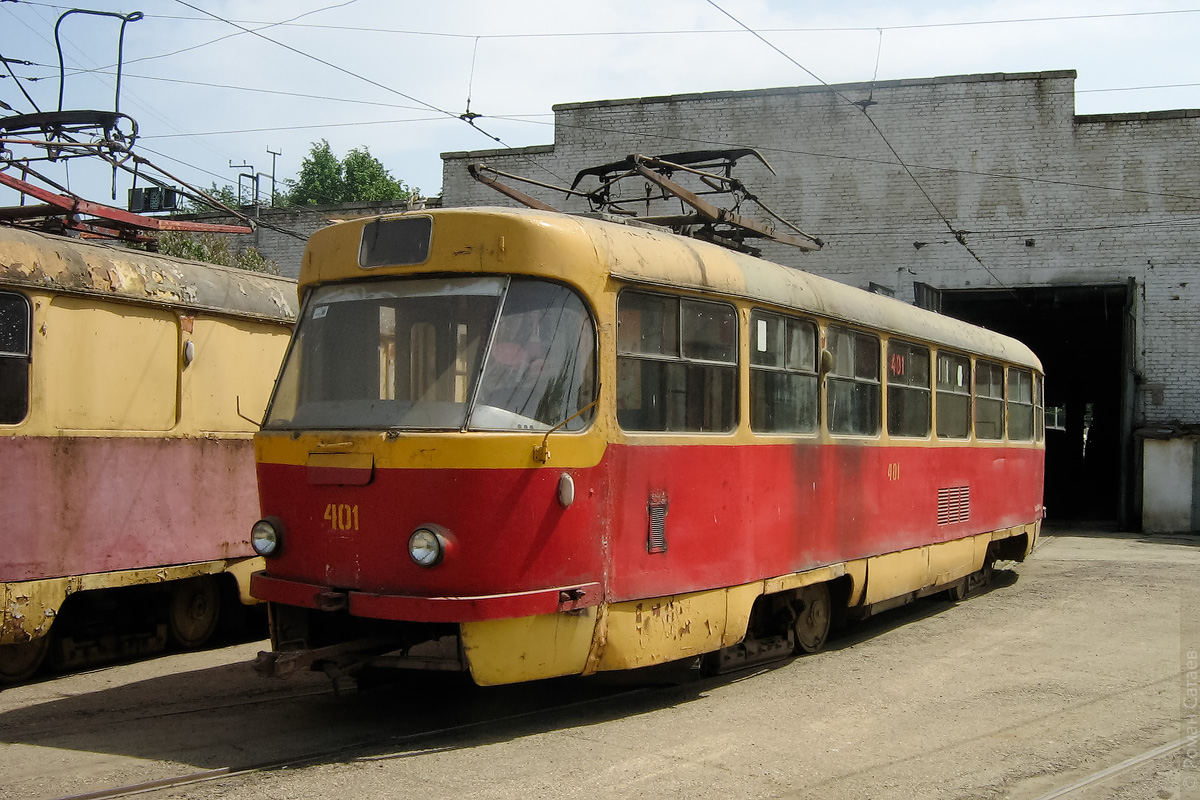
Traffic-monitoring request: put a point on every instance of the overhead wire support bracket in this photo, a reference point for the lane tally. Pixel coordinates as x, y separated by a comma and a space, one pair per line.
705, 221
74, 206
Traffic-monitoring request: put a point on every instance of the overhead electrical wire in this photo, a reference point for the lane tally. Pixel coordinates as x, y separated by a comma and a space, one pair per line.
769, 149
744, 28
702, 32
959, 235
468, 117
304, 96
264, 25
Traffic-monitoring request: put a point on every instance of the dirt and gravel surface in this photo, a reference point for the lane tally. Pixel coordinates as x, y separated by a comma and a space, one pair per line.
1073, 664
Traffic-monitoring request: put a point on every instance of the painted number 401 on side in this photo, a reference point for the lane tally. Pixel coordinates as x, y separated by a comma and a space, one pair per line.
342, 517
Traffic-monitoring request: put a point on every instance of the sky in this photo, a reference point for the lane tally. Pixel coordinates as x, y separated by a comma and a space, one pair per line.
212, 99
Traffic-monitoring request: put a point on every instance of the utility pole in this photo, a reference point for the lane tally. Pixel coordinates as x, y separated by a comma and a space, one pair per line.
243, 175
273, 153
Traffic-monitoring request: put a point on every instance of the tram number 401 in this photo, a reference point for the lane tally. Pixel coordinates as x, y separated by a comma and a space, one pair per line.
894, 471
342, 517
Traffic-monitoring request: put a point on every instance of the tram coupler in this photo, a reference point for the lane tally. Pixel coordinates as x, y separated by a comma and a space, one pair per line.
282, 663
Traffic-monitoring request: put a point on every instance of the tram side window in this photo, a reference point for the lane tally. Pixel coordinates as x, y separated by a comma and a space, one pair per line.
989, 400
1020, 405
908, 389
676, 364
783, 374
14, 358
853, 394
1039, 408
953, 396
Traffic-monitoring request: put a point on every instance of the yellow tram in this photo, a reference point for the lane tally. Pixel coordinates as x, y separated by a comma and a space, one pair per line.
130, 387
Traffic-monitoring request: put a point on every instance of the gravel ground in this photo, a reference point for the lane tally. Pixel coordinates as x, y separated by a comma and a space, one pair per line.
1071, 664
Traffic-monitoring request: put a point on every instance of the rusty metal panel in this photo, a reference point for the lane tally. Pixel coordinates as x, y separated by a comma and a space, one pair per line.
56, 263
645, 632
97, 504
30, 607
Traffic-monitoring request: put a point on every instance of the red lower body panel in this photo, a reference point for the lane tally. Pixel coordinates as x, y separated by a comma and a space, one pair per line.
734, 514
81, 505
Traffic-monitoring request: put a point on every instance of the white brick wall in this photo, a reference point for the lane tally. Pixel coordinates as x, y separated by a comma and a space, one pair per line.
284, 249
1105, 198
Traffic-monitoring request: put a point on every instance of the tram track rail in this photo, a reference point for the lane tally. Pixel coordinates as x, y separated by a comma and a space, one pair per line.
1077, 786
341, 750
1066, 730
373, 747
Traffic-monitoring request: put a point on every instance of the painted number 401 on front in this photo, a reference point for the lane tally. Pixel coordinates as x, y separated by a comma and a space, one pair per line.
342, 517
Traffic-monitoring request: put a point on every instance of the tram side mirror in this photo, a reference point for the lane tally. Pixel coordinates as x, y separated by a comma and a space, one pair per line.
826, 361
238, 406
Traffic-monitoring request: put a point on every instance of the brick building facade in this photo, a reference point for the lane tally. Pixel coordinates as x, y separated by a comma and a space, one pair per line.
1078, 234
284, 232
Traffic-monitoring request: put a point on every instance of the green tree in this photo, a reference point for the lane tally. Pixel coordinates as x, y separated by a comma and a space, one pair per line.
366, 179
324, 178
213, 249
226, 194
320, 180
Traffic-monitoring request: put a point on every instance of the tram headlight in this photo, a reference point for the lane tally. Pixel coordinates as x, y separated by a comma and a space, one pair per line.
266, 536
427, 546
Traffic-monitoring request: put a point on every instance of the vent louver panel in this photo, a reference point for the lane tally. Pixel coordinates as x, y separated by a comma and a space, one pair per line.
656, 540
954, 504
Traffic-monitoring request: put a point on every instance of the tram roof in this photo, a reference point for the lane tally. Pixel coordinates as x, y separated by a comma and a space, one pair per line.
549, 242
58, 263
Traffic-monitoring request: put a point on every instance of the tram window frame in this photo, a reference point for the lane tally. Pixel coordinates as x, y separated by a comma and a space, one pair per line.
1019, 406
989, 407
953, 395
1039, 408
16, 348
910, 407
859, 383
785, 386
675, 377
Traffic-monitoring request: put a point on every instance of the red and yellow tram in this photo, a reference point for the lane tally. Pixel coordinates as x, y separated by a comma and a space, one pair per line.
528, 444
127, 381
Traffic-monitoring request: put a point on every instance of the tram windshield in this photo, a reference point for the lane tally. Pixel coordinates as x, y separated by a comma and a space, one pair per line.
490, 353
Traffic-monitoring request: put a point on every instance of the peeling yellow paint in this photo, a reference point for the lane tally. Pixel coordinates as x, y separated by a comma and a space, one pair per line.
30, 607
528, 648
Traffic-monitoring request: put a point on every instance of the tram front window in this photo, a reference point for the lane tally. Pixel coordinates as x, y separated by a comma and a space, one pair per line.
451, 354
14, 358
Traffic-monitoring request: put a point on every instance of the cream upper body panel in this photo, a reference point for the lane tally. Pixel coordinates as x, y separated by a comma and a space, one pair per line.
591, 254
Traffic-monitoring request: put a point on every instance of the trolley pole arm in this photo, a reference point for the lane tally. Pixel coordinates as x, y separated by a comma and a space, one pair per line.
476, 171
718, 215
75, 205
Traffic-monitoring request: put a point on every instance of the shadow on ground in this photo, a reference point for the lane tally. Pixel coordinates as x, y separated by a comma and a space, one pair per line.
227, 716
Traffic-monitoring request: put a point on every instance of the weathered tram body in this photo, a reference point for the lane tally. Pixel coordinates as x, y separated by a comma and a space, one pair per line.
529, 444
128, 387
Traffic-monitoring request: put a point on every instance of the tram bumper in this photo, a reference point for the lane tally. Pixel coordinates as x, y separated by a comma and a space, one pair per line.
418, 608
502, 638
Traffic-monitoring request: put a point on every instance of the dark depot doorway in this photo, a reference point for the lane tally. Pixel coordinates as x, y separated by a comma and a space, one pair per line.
1079, 333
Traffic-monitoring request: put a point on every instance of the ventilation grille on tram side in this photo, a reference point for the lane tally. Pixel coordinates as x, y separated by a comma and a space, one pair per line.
954, 504
656, 540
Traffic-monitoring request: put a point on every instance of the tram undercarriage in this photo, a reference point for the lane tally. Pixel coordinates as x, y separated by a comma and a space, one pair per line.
797, 621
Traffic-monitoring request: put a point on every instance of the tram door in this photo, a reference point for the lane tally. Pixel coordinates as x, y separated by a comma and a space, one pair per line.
1082, 336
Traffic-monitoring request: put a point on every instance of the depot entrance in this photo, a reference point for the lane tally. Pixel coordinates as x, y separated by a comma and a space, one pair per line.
1079, 333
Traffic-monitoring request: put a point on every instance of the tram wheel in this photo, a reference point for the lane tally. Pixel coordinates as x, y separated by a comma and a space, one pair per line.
958, 591
18, 662
813, 616
195, 606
